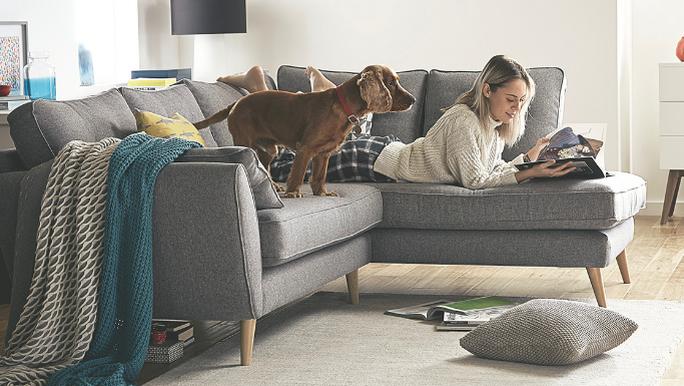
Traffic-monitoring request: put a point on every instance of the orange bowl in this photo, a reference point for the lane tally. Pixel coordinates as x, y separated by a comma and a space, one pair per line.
5, 89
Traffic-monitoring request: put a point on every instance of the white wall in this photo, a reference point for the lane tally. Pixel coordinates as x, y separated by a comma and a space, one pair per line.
577, 35
610, 50
657, 27
158, 49
50, 28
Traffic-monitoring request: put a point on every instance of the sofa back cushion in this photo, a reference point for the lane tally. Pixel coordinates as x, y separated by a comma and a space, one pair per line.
407, 125
41, 128
166, 102
545, 113
211, 98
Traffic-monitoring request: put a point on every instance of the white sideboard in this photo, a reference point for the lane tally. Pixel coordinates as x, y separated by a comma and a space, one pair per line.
671, 104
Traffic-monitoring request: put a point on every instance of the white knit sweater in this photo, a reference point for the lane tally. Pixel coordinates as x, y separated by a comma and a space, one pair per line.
456, 150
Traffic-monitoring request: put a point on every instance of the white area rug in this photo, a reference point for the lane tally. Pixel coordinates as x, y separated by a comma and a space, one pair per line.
325, 341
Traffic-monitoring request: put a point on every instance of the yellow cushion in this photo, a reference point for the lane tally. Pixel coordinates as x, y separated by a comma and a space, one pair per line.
159, 126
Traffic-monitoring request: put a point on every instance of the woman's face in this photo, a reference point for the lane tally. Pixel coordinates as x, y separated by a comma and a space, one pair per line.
506, 101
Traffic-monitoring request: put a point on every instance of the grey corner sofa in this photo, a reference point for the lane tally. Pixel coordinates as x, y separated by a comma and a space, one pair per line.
223, 256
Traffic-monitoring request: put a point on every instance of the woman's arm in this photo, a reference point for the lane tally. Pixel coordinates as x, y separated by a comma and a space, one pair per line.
546, 169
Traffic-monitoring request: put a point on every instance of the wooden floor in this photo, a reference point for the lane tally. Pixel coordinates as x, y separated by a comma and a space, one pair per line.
655, 260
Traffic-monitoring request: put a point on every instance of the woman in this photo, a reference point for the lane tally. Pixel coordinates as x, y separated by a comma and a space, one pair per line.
463, 147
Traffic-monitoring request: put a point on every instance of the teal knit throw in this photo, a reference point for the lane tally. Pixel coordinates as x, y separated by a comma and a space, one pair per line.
119, 345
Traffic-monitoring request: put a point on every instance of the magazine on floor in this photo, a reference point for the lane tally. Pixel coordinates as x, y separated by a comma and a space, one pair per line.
453, 321
436, 309
567, 146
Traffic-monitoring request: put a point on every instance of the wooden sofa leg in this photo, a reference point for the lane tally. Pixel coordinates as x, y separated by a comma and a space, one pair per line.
247, 329
597, 285
622, 264
353, 286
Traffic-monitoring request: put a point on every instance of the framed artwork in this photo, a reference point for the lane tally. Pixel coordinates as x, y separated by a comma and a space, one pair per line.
13, 53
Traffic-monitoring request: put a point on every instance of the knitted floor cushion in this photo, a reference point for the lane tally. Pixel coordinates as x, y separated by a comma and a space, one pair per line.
549, 332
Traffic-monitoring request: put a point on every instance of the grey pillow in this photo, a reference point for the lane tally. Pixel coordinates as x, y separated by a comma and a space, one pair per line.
40, 129
211, 98
168, 101
265, 196
549, 332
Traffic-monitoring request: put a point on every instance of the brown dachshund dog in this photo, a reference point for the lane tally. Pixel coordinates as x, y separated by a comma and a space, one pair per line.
312, 124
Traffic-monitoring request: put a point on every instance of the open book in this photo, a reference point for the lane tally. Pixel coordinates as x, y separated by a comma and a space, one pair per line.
438, 308
566, 146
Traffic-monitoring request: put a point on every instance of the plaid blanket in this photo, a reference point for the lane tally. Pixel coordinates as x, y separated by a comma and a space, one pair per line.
353, 162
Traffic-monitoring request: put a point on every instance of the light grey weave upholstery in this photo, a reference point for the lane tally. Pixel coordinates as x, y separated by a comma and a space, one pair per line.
539, 204
311, 223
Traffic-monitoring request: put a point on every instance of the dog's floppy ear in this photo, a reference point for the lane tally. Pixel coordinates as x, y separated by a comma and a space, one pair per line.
374, 92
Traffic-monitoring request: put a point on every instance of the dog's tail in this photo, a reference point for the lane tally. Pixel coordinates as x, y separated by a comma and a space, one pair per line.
218, 117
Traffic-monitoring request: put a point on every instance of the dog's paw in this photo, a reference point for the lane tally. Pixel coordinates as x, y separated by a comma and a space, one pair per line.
296, 194
326, 194
278, 188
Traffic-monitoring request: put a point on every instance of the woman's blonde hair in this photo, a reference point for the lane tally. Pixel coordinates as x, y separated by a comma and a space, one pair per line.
496, 73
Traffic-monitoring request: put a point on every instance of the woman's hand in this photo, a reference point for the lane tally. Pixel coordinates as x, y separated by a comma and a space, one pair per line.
534, 152
546, 169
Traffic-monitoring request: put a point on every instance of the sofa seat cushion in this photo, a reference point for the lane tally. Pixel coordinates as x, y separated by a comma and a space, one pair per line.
538, 204
307, 224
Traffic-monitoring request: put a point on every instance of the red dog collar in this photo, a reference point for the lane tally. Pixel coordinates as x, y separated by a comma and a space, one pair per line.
353, 119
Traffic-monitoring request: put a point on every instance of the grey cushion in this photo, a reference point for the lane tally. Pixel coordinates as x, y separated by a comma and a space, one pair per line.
265, 196
549, 332
545, 113
166, 102
538, 204
311, 223
405, 124
211, 98
40, 129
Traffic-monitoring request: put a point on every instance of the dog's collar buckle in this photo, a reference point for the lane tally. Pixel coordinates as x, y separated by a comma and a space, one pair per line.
354, 120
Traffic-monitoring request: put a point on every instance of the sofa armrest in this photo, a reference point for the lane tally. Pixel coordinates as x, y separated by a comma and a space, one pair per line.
206, 248
10, 161
207, 253
31, 191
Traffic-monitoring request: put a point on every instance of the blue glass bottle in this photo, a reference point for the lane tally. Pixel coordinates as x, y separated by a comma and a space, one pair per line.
39, 77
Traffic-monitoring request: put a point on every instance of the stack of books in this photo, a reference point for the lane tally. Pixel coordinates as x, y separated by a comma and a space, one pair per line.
166, 352
179, 335
150, 84
176, 73
178, 331
12, 101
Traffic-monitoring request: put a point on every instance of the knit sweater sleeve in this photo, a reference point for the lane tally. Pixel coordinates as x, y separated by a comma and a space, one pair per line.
464, 157
501, 164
